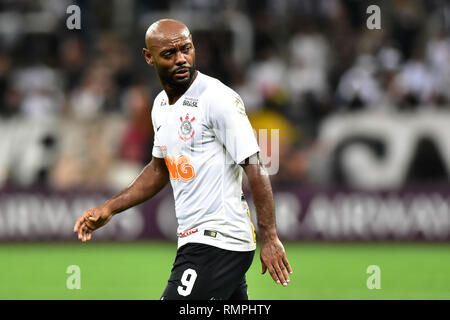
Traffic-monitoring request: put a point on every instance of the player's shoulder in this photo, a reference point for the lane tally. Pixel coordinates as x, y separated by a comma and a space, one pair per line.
159, 101
160, 98
217, 91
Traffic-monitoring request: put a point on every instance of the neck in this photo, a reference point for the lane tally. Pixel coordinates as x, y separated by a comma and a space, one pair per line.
174, 93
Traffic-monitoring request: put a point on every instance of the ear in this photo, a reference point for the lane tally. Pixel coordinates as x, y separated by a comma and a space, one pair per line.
148, 56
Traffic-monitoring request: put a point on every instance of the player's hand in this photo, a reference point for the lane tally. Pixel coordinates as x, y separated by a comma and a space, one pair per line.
273, 258
91, 220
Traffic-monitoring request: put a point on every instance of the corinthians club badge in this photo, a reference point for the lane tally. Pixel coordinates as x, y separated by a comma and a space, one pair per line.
186, 130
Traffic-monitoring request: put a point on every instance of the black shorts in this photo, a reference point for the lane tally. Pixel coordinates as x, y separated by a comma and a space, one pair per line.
203, 272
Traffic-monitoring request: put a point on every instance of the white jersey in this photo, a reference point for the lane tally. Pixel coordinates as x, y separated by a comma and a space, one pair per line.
203, 137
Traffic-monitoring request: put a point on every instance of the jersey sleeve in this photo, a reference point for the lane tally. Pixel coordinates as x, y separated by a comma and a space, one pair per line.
231, 125
156, 151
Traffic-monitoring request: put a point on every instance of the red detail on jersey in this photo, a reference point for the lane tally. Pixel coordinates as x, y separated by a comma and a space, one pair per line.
187, 232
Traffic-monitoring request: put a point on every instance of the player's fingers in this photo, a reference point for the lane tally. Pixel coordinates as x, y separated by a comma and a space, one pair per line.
84, 231
76, 228
88, 232
284, 268
85, 237
273, 274
285, 273
93, 219
264, 268
281, 271
82, 220
90, 225
80, 231
80, 234
287, 265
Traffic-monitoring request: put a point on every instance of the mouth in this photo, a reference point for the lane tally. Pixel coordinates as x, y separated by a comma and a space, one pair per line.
182, 73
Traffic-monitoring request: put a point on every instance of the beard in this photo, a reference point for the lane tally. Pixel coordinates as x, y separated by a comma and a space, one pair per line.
171, 79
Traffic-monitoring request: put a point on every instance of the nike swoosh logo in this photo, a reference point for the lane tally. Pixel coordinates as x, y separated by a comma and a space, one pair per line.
157, 129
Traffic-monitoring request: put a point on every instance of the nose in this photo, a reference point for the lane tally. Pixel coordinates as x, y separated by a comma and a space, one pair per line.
180, 59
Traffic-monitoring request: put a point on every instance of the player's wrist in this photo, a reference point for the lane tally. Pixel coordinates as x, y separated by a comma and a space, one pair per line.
108, 206
267, 234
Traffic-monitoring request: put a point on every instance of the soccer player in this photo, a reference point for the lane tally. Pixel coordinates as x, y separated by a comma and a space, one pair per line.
203, 143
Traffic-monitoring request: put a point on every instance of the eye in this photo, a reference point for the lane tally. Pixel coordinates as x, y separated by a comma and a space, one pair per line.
186, 48
168, 53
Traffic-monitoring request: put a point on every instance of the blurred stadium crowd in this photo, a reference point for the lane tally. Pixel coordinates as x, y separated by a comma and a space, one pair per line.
75, 104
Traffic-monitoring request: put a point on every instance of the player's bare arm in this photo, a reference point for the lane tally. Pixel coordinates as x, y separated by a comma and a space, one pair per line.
273, 256
149, 182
